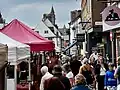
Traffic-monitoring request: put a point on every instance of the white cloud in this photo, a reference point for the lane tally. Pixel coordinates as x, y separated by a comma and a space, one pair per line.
31, 13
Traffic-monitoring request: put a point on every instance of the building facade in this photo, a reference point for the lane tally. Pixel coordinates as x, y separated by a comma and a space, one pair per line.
76, 47
96, 38
114, 32
50, 16
2, 21
116, 37
65, 36
49, 29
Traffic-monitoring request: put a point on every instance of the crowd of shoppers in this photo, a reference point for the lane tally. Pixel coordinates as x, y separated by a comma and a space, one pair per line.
82, 73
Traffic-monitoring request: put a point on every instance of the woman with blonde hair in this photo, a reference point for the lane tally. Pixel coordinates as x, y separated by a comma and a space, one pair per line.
87, 71
80, 83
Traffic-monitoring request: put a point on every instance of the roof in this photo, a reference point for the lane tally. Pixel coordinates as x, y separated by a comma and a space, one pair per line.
52, 10
41, 27
63, 31
76, 17
26, 35
79, 16
48, 23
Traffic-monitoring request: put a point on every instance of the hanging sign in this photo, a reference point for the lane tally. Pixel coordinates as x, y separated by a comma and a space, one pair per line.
80, 37
111, 18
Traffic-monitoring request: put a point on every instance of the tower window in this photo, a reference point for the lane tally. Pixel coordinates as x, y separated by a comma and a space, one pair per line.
46, 31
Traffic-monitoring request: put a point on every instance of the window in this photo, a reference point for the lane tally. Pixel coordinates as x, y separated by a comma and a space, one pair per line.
52, 29
46, 31
49, 38
57, 34
37, 31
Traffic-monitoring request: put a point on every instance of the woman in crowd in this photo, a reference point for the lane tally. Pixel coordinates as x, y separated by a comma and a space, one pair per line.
100, 70
69, 74
87, 71
80, 83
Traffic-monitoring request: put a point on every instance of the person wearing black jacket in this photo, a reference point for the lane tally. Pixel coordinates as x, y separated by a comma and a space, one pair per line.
75, 65
100, 70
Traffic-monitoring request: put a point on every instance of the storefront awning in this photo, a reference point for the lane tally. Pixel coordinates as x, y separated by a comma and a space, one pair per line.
70, 46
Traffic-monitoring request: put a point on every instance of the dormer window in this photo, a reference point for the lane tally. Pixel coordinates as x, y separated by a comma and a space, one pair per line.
46, 31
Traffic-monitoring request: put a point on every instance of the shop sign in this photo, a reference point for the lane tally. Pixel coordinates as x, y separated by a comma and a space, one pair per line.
81, 37
86, 14
111, 18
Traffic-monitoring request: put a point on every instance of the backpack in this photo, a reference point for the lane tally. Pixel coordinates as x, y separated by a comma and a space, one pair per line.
53, 83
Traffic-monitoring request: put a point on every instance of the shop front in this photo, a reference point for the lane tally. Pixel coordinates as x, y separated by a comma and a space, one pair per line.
111, 23
2, 75
117, 43
3, 64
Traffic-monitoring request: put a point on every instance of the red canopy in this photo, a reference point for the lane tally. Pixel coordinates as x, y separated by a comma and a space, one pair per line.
22, 33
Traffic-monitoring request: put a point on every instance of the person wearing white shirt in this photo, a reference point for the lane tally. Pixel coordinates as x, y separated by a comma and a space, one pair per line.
46, 75
100, 70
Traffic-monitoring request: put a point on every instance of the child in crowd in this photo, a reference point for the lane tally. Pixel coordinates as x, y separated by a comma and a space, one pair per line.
110, 82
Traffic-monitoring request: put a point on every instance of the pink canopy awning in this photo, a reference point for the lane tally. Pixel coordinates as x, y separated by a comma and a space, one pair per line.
22, 33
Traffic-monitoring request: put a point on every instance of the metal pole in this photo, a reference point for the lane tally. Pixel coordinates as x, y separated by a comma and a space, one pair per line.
44, 58
112, 44
5, 86
112, 51
29, 62
85, 41
43, 61
15, 76
15, 70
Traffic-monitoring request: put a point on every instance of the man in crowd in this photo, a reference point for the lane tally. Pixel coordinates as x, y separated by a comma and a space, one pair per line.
46, 75
58, 81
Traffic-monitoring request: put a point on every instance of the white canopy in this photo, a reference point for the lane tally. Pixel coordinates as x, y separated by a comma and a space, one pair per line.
17, 52
57, 49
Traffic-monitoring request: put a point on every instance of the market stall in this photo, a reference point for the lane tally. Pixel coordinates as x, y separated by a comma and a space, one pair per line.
26, 35
17, 52
16, 55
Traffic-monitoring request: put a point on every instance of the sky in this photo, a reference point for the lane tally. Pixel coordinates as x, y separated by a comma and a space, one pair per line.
30, 11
